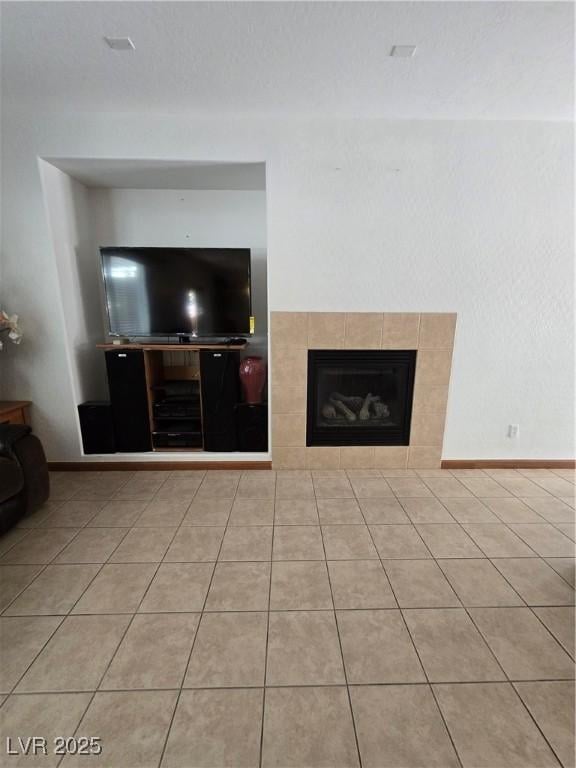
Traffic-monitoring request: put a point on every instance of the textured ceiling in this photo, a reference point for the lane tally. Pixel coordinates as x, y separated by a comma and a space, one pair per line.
477, 60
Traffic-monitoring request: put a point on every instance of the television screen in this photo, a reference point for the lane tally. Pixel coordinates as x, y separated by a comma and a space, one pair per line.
166, 291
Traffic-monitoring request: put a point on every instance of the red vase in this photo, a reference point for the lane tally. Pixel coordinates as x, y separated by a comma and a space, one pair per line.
252, 378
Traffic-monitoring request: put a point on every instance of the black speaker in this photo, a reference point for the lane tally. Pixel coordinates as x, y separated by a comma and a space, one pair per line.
97, 427
127, 384
252, 422
220, 394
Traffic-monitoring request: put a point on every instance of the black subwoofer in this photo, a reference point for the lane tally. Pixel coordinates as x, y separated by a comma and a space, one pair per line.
252, 423
97, 427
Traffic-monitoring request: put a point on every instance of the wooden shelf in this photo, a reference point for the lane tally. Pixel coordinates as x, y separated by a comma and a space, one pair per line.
14, 411
170, 347
177, 450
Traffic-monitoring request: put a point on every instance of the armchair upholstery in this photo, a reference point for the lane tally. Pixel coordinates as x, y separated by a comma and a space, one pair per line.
24, 479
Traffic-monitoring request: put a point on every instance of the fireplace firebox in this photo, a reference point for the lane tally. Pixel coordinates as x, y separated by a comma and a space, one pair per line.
359, 397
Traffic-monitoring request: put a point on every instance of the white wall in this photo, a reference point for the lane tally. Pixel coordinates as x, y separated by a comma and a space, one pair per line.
70, 222
189, 218
472, 217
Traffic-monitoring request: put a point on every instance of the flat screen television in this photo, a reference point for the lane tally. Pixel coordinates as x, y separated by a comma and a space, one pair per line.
170, 291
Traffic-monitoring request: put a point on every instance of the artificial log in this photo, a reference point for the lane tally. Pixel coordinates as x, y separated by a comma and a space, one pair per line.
353, 407
343, 409
328, 411
364, 413
381, 410
352, 401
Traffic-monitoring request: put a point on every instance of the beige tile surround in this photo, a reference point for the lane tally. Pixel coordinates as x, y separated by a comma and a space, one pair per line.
294, 333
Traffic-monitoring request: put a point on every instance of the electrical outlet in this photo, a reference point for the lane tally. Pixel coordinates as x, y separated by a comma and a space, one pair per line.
513, 430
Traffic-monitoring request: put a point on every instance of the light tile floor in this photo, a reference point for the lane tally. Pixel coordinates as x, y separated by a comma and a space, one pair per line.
402, 619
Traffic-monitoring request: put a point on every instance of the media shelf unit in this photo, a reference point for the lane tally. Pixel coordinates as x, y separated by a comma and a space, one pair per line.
139, 377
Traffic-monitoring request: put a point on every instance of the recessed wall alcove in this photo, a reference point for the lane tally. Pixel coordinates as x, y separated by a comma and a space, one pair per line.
95, 202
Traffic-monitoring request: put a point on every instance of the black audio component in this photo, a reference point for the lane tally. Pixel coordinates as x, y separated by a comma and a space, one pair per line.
97, 427
178, 389
177, 409
212, 341
127, 384
220, 395
179, 435
252, 421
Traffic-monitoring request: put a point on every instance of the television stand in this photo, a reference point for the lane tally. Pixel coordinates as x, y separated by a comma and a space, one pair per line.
160, 346
211, 341
144, 384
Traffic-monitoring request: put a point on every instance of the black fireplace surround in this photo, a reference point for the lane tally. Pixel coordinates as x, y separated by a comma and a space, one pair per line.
359, 397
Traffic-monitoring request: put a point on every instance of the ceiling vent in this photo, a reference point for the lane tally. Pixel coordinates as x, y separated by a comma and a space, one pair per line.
403, 51
120, 43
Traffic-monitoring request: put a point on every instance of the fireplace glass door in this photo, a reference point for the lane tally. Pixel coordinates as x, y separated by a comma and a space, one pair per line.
360, 397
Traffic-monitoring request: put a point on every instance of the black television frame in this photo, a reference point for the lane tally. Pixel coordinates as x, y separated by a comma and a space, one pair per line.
184, 335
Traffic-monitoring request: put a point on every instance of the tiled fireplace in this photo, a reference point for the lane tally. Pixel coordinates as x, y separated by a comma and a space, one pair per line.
359, 390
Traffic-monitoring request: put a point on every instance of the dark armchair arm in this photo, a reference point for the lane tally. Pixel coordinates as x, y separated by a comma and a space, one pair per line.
24, 478
9, 434
11, 480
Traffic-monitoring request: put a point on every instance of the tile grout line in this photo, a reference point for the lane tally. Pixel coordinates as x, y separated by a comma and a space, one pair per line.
201, 614
287, 610
532, 606
570, 653
501, 522
509, 524
513, 685
537, 555
11, 602
52, 563
412, 523
25, 533
69, 612
344, 671
527, 605
34, 530
63, 617
472, 495
126, 630
487, 559
261, 753
511, 557
95, 691
424, 672
399, 498
51, 635
508, 680
512, 681
480, 556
